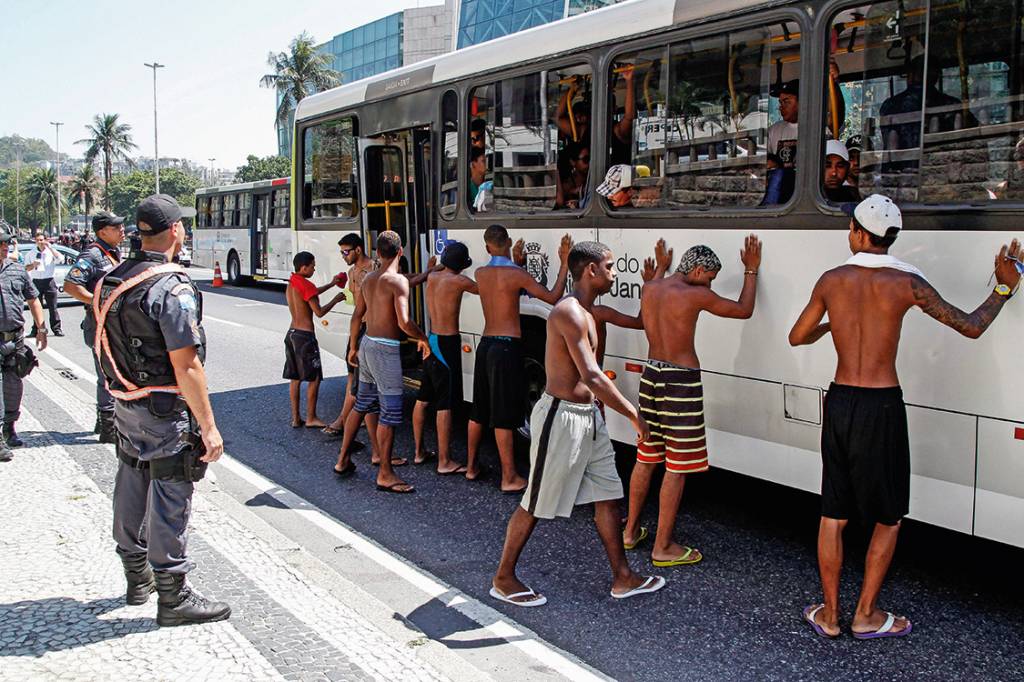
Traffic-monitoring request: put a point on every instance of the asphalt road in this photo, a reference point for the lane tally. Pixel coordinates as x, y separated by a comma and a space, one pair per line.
736, 615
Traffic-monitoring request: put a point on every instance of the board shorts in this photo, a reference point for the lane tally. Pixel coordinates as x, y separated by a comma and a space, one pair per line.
302, 356
572, 461
380, 379
865, 454
499, 386
353, 370
441, 386
672, 404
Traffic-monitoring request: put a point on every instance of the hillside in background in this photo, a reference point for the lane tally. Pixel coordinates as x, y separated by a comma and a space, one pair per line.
32, 150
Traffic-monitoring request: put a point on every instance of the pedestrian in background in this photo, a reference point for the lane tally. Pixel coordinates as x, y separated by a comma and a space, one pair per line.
40, 268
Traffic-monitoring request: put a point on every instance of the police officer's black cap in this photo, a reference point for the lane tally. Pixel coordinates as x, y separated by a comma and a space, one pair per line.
157, 213
456, 256
786, 88
105, 219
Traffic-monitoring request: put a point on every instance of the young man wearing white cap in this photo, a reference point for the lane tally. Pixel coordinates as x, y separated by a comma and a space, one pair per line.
865, 449
837, 168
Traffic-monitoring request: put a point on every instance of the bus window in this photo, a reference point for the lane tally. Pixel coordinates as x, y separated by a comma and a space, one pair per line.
203, 219
279, 212
216, 218
535, 129
637, 84
244, 208
229, 210
329, 171
450, 156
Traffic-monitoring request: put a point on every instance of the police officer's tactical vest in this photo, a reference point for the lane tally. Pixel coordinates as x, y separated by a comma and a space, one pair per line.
130, 347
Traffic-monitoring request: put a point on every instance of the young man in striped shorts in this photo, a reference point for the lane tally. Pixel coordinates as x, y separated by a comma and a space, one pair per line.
671, 395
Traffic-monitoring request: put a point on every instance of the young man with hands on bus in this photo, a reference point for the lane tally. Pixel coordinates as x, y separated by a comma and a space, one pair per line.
865, 448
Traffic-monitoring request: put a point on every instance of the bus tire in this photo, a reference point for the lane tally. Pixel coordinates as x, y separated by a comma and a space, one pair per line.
234, 273
534, 335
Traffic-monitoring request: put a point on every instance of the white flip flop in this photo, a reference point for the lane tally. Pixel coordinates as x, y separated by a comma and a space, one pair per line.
652, 584
541, 600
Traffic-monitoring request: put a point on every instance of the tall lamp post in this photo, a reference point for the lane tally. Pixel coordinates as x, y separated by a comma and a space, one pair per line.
212, 183
57, 125
156, 149
17, 183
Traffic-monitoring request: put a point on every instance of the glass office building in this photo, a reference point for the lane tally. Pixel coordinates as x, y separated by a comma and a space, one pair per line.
483, 20
369, 49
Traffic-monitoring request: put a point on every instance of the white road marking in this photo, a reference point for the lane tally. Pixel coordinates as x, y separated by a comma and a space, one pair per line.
79, 371
217, 319
248, 305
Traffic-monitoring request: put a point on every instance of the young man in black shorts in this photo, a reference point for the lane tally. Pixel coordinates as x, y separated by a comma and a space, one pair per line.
301, 351
441, 388
865, 449
499, 392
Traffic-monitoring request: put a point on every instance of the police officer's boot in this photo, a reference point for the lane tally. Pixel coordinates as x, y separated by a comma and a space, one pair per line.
140, 579
99, 421
5, 453
180, 604
11, 436
108, 433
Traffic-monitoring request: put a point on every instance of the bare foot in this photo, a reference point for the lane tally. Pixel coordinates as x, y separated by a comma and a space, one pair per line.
393, 484
629, 582
424, 456
829, 622
451, 468
395, 461
315, 423
862, 625
675, 551
514, 485
297, 423
508, 586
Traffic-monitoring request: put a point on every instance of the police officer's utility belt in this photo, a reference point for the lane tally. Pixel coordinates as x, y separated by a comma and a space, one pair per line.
183, 468
11, 336
102, 344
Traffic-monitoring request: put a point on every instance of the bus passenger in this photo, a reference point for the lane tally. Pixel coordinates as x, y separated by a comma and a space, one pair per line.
618, 187
301, 351
441, 388
837, 168
573, 190
853, 146
499, 390
865, 449
477, 173
671, 395
572, 461
384, 302
478, 133
621, 141
577, 127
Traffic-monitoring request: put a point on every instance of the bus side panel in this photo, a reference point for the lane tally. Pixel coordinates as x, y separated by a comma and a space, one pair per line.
279, 252
203, 241
999, 511
332, 329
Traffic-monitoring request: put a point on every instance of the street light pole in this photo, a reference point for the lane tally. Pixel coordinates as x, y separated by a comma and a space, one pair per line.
156, 149
212, 183
17, 183
57, 125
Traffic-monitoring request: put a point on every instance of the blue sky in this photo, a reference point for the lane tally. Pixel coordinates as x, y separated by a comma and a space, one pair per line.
68, 60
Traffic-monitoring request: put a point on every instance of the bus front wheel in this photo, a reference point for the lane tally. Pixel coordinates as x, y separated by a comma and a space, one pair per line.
234, 270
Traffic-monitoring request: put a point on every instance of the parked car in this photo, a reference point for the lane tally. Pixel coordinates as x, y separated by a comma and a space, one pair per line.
60, 271
185, 256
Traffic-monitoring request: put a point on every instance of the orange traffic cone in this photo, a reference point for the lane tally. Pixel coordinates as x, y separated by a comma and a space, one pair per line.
218, 279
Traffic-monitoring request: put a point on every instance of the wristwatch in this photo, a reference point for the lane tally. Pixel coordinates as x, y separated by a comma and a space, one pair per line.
1003, 290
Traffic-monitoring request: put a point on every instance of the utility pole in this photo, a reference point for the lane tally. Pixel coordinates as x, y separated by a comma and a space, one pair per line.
212, 183
156, 149
57, 125
17, 181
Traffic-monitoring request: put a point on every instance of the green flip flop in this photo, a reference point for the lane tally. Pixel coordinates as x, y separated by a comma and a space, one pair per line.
639, 538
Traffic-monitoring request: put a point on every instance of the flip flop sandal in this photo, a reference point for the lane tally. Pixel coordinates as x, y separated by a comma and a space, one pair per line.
347, 471
685, 559
886, 629
639, 538
652, 584
809, 613
460, 471
394, 488
395, 462
332, 432
517, 491
429, 455
540, 600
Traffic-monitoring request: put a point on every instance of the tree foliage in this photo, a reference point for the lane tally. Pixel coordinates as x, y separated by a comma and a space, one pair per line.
267, 168
33, 216
126, 190
84, 182
32, 149
300, 72
42, 190
110, 140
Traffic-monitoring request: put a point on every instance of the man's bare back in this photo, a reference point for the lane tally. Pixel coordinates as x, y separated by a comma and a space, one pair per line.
301, 312
444, 292
563, 377
379, 290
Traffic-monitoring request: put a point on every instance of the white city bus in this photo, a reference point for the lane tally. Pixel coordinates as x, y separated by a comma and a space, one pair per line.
245, 229
688, 88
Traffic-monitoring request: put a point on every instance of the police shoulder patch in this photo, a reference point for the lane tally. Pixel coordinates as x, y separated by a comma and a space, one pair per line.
186, 297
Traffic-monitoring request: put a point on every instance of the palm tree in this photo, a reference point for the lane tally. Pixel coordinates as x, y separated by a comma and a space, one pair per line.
110, 139
84, 184
300, 72
41, 188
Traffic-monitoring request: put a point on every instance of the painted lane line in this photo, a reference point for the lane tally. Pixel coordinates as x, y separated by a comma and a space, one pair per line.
489, 619
217, 319
248, 305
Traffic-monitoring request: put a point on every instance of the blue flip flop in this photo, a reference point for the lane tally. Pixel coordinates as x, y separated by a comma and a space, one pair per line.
886, 629
809, 613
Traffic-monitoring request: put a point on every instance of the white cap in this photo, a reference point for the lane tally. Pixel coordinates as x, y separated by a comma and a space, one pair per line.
876, 214
618, 177
838, 148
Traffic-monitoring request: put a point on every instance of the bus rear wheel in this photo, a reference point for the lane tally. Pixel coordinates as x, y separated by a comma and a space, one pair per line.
536, 379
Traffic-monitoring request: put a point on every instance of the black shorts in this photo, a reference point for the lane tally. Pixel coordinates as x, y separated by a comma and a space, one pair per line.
442, 373
865, 454
499, 386
301, 356
353, 370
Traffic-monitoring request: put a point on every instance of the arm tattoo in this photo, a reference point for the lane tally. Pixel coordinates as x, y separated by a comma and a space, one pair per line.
972, 325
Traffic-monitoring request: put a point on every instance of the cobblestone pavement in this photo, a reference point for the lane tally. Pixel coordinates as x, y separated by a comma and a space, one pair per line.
62, 611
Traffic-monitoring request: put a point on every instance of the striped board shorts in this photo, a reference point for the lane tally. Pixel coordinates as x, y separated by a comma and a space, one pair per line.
672, 403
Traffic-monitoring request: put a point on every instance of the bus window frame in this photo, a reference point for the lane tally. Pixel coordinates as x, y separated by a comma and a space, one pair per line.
768, 17
826, 16
286, 188
461, 107
303, 224
584, 57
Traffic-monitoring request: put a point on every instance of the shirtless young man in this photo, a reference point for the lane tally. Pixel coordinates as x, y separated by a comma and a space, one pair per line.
302, 353
865, 449
353, 251
671, 395
572, 461
384, 302
499, 394
441, 387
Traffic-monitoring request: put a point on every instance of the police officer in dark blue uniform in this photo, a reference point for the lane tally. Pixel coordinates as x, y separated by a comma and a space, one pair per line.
151, 346
16, 360
97, 259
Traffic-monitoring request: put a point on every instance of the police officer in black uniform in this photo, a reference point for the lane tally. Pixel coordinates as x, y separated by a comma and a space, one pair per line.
97, 259
16, 360
151, 346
